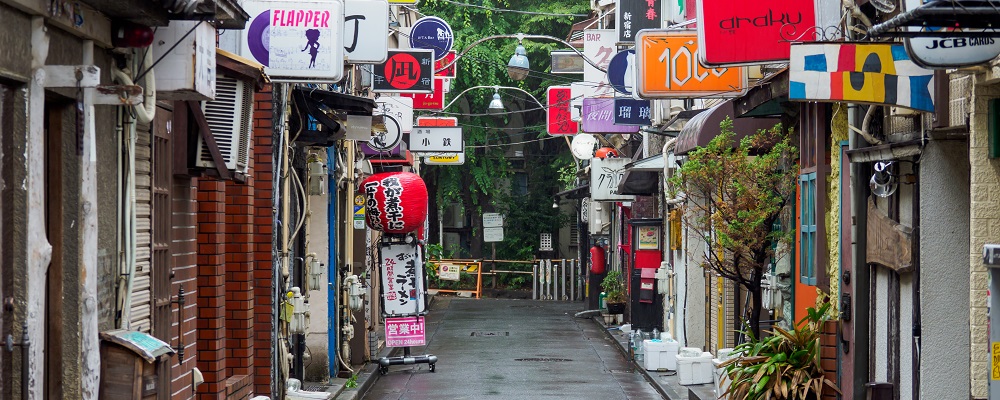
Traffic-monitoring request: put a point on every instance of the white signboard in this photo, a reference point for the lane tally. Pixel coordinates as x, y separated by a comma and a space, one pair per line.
605, 174
448, 159
400, 108
436, 139
449, 272
366, 31
949, 52
492, 235
296, 40
492, 220
598, 46
402, 279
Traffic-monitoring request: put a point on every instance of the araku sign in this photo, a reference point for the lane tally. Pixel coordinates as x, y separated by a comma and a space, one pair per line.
740, 32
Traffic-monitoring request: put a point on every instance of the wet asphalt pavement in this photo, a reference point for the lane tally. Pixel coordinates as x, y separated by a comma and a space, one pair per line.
513, 349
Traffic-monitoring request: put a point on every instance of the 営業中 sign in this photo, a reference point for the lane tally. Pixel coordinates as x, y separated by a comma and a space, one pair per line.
296, 40
438, 139
668, 67
402, 279
405, 71
559, 118
405, 332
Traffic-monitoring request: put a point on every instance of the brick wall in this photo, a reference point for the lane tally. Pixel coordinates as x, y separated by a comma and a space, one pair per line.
239, 283
211, 288
184, 252
263, 178
828, 355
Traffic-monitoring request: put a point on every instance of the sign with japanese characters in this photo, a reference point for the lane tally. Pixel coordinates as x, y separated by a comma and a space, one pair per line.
402, 272
432, 33
559, 118
635, 15
296, 40
449, 272
605, 174
599, 117
668, 67
405, 71
405, 332
630, 111
599, 47
451, 71
493, 235
363, 19
437, 139
399, 108
428, 101
492, 220
740, 32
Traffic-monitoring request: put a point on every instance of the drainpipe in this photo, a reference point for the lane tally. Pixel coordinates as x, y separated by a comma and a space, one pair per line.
861, 277
331, 265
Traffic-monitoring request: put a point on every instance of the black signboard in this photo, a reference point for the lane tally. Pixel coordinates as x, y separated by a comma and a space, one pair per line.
635, 15
405, 71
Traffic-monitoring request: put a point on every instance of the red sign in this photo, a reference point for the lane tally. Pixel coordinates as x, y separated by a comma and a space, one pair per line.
558, 116
451, 70
740, 32
405, 332
405, 71
437, 121
428, 101
395, 202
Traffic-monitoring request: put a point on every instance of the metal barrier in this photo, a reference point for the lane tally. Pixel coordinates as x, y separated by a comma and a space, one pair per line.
551, 279
467, 267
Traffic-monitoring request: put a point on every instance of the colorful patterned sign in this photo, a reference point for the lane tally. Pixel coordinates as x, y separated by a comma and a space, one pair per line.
873, 73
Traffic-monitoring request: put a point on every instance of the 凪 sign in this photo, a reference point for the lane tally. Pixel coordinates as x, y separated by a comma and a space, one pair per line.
362, 20
668, 67
599, 117
296, 40
739, 32
405, 71
558, 116
405, 332
630, 111
402, 279
438, 139
605, 174
635, 15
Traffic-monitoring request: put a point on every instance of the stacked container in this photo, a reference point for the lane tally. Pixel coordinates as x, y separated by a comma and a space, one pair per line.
660, 354
694, 367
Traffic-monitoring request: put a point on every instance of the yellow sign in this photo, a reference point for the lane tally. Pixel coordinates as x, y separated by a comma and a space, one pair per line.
449, 159
359, 200
995, 362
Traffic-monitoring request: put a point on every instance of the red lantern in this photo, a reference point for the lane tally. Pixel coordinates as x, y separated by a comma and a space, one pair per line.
395, 202
597, 260
606, 152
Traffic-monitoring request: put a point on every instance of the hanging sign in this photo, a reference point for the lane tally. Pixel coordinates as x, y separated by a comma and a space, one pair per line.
451, 71
630, 111
437, 121
635, 15
940, 52
438, 139
402, 273
566, 62
296, 40
399, 108
405, 332
668, 67
598, 117
557, 113
445, 159
395, 202
384, 142
363, 20
429, 101
598, 46
740, 32
621, 72
405, 71
432, 33
605, 174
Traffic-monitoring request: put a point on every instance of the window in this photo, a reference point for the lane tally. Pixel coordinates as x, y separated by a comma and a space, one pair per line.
807, 228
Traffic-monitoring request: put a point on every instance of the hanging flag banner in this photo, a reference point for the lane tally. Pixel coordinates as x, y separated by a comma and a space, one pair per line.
598, 117
668, 67
740, 32
405, 71
598, 46
405, 332
557, 113
362, 19
402, 272
635, 15
629, 111
428, 101
296, 40
432, 33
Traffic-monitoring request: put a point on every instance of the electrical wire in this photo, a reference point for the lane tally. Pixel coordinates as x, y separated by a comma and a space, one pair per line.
459, 4
511, 144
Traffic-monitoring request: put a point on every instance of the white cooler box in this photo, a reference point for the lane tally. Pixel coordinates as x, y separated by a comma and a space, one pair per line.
660, 355
695, 370
724, 355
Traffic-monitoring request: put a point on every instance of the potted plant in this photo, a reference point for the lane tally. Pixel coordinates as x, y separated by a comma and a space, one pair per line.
785, 365
614, 291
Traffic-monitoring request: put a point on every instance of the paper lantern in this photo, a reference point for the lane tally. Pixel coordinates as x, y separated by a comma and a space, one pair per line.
395, 202
597, 260
606, 152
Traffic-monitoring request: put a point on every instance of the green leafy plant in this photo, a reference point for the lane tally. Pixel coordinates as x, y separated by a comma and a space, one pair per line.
352, 382
785, 365
614, 287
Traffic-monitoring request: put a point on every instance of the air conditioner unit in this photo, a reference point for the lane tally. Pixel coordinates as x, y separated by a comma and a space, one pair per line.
230, 117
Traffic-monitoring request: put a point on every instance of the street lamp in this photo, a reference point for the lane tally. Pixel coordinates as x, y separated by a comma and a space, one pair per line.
517, 68
496, 105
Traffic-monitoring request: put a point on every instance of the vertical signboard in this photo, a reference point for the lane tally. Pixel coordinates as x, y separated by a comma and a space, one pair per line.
402, 279
605, 174
669, 68
599, 47
558, 116
598, 117
296, 40
363, 20
635, 15
740, 32
405, 71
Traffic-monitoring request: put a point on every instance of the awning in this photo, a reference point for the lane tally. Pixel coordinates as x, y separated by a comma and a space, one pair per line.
766, 98
323, 105
705, 126
241, 68
968, 15
578, 192
642, 177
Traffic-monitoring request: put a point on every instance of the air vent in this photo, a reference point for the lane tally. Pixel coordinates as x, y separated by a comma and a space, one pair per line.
229, 116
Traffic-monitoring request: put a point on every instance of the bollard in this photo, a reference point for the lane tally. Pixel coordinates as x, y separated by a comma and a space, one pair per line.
534, 281
562, 279
572, 280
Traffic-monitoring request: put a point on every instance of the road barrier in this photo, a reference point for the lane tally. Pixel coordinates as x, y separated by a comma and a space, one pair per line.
551, 279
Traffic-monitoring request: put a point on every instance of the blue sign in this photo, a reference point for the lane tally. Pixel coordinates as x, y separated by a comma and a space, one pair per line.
621, 72
434, 34
631, 111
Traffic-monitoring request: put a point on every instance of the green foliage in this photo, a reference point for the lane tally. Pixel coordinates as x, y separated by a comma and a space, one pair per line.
352, 382
613, 286
785, 365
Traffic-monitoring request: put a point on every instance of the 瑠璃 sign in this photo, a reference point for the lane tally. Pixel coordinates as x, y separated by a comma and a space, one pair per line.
402, 279
630, 111
605, 174
437, 139
405, 332
405, 71
362, 20
559, 118
740, 32
296, 40
668, 67
598, 117
635, 15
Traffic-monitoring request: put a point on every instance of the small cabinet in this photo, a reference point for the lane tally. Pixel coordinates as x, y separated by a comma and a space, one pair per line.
129, 362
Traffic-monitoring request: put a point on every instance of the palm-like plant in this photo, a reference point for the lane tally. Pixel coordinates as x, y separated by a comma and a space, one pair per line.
785, 365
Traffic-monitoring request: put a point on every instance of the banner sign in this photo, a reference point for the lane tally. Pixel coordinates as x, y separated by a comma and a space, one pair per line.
598, 46
739, 32
432, 33
605, 174
668, 67
635, 15
873, 73
363, 19
558, 116
598, 117
429, 101
402, 279
405, 71
438, 139
630, 111
296, 40
405, 332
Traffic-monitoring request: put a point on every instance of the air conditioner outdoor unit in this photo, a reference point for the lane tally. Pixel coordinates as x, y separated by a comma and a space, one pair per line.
230, 117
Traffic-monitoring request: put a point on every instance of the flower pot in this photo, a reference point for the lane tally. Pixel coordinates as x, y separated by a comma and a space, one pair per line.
616, 308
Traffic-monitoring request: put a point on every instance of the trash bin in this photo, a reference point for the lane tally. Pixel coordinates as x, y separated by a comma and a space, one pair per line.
660, 354
879, 390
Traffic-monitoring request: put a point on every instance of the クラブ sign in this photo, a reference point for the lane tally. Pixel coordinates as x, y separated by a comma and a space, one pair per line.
605, 174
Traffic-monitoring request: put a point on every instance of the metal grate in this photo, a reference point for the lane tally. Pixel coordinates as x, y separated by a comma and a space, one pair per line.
489, 334
543, 359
